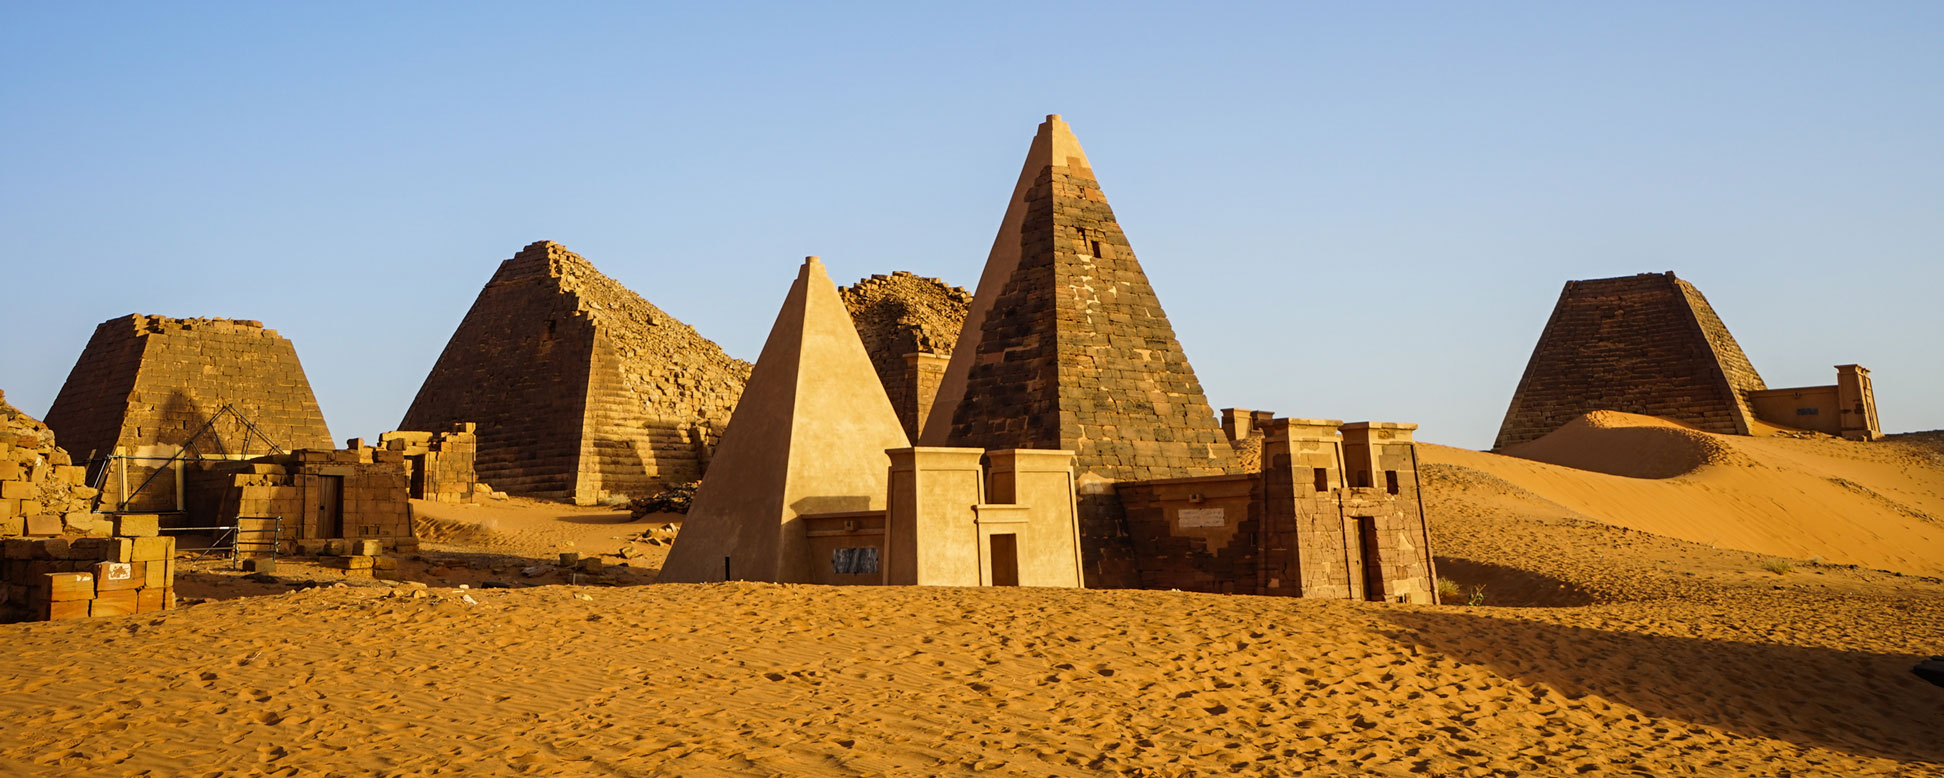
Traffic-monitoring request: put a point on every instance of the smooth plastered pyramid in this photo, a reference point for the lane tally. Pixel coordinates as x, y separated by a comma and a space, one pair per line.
808, 437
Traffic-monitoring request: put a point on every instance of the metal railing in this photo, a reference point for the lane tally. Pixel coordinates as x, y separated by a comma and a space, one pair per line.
246, 536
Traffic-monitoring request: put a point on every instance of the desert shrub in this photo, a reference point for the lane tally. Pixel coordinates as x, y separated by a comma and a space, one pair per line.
1448, 590
1477, 595
1778, 566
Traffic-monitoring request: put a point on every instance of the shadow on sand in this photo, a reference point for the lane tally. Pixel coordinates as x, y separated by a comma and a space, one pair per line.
1511, 586
1861, 703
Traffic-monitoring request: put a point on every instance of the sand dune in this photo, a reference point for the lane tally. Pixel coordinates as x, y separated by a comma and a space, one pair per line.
1639, 654
749, 679
1879, 505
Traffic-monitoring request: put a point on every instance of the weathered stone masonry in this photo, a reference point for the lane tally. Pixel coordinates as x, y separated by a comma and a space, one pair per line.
580, 388
1647, 344
1070, 349
145, 384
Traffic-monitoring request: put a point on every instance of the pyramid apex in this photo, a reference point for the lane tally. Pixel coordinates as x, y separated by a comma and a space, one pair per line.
1054, 117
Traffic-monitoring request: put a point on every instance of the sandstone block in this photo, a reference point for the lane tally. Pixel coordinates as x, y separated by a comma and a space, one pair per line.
114, 603
103, 549
18, 490
116, 576
161, 575
64, 587
137, 525
44, 524
154, 599
153, 549
43, 610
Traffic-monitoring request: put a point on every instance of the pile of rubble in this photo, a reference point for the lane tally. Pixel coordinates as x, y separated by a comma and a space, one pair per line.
904, 313
675, 499
41, 491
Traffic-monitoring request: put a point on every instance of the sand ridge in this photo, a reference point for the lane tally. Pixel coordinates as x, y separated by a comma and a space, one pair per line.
1879, 505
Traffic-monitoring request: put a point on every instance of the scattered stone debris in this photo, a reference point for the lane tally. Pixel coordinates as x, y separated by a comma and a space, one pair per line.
909, 324
674, 499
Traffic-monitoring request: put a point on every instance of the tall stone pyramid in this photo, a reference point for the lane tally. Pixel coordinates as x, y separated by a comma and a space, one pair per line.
581, 388
1647, 344
808, 437
1066, 347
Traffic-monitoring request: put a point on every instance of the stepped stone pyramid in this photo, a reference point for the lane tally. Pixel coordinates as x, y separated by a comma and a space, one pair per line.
581, 388
153, 381
1066, 347
808, 437
1647, 344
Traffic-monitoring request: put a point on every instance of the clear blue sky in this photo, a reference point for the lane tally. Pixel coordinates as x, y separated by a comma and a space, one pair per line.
1358, 211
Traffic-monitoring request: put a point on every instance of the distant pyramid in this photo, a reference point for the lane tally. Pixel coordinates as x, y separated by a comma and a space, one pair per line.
808, 437
909, 324
1647, 344
580, 387
1066, 347
155, 381
148, 385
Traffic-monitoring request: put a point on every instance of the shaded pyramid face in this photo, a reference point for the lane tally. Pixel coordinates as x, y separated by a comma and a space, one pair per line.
1066, 345
1647, 344
809, 437
580, 388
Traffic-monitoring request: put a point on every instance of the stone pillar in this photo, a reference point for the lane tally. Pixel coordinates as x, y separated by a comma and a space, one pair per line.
1042, 482
1308, 548
1238, 423
931, 529
1396, 547
924, 371
1856, 401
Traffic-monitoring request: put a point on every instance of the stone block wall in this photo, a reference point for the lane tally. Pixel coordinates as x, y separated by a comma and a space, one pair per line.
45, 579
1196, 534
352, 494
1647, 344
1295, 528
439, 465
580, 388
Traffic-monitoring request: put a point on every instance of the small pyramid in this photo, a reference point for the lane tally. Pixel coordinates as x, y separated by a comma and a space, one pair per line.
1647, 344
808, 437
1066, 347
581, 388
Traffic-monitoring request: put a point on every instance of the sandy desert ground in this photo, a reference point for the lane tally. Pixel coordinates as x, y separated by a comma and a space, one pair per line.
1652, 601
